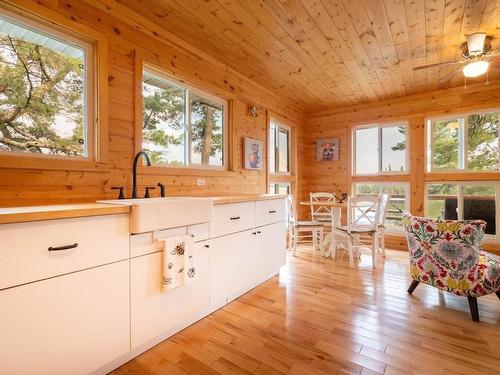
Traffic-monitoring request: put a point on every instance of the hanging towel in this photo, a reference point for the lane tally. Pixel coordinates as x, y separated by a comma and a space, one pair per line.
178, 266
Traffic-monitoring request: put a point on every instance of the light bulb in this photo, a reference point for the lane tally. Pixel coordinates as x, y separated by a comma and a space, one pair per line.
475, 69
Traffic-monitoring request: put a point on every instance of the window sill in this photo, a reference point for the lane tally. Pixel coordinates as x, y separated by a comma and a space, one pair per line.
455, 175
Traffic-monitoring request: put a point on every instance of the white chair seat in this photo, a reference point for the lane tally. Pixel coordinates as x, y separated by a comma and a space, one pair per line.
356, 229
307, 224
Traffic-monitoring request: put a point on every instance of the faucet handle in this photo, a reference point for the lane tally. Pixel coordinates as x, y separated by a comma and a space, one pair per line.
147, 194
162, 189
121, 195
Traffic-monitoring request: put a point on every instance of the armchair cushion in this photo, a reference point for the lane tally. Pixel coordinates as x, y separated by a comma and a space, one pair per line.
447, 254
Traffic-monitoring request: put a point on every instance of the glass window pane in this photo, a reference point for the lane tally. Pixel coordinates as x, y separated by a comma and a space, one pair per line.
283, 150
206, 132
396, 205
272, 148
479, 203
446, 143
272, 188
284, 188
482, 141
394, 149
43, 96
367, 189
442, 201
366, 151
163, 127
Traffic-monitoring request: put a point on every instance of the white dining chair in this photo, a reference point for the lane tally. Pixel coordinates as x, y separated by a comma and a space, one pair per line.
321, 213
297, 227
365, 216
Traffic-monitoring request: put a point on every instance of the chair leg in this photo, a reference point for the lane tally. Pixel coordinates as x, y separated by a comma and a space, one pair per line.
412, 286
333, 245
382, 243
321, 242
295, 240
374, 249
350, 251
314, 237
473, 308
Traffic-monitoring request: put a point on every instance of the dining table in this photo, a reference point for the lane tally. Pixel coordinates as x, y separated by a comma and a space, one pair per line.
335, 208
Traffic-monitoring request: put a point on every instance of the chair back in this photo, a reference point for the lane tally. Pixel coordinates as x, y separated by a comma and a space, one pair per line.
442, 249
363, 212
290, 209
321, 213
382, 209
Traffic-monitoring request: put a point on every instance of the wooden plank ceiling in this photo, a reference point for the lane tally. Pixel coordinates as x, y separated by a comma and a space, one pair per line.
329, 53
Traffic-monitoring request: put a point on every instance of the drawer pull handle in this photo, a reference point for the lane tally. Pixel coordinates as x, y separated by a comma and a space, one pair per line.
235, 218
67, 247
207, 246
259, 232
272, 211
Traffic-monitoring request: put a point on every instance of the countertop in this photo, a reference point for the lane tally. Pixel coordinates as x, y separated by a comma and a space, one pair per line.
10, 215
36, 213
246, 198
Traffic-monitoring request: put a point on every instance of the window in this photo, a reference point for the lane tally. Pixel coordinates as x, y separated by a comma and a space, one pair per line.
280, 188
182, 126
279, 148
398, 199
464, 201
467, 142
45, 91
380, 149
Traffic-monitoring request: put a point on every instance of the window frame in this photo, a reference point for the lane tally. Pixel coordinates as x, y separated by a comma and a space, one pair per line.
429, 143
380, 126
489, 238
390, 229
279, 125
189, 91
95, 94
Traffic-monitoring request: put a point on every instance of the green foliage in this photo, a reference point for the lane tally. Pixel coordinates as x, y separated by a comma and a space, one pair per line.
41, 99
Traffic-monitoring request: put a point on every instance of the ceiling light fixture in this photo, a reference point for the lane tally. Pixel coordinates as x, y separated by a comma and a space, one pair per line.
475, 68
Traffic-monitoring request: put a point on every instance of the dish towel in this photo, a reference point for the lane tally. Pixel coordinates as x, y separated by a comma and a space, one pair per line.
178, 265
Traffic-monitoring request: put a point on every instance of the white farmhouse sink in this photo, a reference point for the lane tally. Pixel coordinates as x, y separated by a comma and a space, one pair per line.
150, 214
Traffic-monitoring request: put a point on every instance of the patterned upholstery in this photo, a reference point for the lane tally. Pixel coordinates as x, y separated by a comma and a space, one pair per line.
447, 255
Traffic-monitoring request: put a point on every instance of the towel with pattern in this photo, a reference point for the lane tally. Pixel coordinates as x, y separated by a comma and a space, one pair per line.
178, 265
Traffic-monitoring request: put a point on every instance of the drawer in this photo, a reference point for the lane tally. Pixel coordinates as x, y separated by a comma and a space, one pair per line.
231, 218
269, 211
144, 243
25, 255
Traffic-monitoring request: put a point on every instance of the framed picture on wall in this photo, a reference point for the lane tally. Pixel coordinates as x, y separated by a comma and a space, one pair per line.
327, 149
252, 153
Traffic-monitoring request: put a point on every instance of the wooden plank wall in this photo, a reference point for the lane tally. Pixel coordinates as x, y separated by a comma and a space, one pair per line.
127, 34
336, 176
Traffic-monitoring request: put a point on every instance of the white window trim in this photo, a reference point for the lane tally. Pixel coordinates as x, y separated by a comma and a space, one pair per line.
280, 125
89, 92
380, 126
489, 238
189, 90
429, 142
389, 228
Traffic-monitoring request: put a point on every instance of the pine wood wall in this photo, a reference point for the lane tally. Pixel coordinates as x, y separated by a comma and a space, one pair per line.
336, 176
128, 35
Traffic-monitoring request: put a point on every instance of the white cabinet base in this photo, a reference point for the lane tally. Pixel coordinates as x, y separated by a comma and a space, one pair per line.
70, 324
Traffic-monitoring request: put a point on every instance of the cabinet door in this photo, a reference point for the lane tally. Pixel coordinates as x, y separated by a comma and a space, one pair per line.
270, 250
155, 312
71, 324
232, 266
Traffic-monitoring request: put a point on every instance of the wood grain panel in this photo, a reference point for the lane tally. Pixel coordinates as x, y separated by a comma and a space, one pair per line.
126, 32
336, 176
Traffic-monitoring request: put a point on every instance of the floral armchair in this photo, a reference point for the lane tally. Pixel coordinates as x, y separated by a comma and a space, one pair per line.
447, 255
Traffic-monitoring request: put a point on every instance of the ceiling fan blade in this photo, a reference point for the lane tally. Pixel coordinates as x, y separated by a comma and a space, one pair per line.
447, 77
437, 64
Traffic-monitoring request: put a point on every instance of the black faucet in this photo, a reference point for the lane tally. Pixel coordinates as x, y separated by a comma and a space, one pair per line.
134, 176
162, 189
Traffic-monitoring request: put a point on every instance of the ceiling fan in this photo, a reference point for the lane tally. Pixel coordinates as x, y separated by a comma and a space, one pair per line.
477, 55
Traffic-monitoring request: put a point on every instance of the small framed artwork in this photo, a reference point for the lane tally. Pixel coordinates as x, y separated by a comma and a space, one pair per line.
252, 153
327, 149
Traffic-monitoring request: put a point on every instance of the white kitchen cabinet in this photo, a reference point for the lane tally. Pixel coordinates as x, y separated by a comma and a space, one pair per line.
232, 266
71, 324
155, 312
270, 250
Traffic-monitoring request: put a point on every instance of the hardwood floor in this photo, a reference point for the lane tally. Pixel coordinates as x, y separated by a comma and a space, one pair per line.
321, 317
